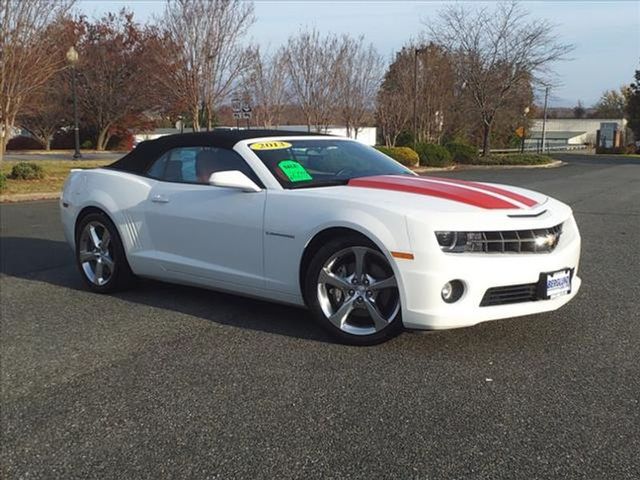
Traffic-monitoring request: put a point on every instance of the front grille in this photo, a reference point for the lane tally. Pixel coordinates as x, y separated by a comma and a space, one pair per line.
541, 240
510, 294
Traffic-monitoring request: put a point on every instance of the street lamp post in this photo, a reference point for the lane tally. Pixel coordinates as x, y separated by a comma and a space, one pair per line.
72, 58
524, 127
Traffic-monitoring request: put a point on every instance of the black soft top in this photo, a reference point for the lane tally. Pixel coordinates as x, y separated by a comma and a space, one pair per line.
140, 158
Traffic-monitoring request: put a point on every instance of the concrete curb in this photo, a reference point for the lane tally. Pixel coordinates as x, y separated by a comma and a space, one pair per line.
64, 152
28, 197
433, 169
554, 164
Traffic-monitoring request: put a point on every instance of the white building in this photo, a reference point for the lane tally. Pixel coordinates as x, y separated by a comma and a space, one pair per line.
366, 135
569, 131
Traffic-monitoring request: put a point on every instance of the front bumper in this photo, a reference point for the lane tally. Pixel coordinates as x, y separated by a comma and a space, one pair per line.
422, 281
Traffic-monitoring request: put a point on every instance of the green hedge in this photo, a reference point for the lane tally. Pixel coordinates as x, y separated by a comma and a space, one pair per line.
462, 152
432, 155
626, 150
26, 171
3, 181
404, 155
515, 159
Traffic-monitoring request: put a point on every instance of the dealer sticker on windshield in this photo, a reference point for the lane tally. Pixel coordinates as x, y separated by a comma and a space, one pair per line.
275, 145
294, 171
558, 283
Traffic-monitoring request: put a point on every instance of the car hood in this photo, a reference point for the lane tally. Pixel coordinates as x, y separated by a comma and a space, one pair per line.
436, 195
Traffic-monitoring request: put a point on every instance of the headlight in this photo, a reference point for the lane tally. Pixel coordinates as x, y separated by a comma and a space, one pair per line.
539, 240
449, 240
457, 241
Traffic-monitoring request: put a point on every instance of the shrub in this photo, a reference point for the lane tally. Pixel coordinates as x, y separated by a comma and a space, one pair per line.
87, 145
121, 141
3, 181
405, 139
432, 155
617, 150
26, 171
515, 159
405, 155
462, 152
23, 143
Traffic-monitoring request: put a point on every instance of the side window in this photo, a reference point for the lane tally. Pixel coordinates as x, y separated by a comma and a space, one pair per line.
157, 168
196, 164
177, 165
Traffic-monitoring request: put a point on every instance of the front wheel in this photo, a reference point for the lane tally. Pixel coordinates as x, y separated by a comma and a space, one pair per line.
352, 290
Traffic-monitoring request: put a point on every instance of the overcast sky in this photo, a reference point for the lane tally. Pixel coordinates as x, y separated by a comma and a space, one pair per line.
606, 34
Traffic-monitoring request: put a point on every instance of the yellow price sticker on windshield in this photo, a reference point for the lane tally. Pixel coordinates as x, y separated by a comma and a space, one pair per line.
269, 145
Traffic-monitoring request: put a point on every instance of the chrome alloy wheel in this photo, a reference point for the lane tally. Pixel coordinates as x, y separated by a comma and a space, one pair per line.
357, 291
95, 253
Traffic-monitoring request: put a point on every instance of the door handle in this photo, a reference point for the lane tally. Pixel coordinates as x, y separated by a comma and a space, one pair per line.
159, 199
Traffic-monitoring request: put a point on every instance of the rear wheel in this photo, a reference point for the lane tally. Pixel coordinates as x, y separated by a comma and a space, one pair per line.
353, 292
100, 255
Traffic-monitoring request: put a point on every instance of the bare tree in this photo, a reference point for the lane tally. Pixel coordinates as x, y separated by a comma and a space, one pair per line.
112, 75
422, 75
312, 64
359, 74
395, 98
265, 84
496, 49
436, 89
47, 110
393, 116
28, 58
613, 103
206, 34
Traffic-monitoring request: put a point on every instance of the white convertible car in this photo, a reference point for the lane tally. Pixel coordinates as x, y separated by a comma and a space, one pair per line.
322, 222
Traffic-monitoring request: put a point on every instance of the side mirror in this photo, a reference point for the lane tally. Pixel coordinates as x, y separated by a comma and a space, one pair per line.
233, 179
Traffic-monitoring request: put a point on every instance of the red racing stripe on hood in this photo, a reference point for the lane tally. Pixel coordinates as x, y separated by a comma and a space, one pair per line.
423, 186
490, 188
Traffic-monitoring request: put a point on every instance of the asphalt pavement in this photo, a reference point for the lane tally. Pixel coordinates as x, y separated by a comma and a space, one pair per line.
175, 382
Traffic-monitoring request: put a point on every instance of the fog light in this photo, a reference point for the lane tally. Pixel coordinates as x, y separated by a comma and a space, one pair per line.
452, 291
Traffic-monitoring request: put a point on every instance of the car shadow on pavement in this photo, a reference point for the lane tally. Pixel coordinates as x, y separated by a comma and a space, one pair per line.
51, 261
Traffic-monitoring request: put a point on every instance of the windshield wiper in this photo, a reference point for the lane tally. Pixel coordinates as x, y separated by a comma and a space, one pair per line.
321, 183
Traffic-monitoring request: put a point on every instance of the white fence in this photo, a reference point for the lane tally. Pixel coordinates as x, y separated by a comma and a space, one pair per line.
539, 149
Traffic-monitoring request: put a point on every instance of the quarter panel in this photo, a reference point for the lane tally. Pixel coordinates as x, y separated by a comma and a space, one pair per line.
121, 195
294, 217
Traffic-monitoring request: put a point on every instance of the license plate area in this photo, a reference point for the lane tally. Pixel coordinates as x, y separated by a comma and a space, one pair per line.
555, 284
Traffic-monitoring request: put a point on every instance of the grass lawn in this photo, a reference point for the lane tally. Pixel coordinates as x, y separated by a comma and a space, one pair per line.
55, 172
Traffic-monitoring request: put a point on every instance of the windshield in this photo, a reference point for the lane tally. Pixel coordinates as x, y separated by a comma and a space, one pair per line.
317, 163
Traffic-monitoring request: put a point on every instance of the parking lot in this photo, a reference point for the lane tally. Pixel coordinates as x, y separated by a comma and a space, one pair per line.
175, 382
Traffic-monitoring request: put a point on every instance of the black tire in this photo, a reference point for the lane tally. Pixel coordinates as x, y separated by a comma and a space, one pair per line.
121, 277
312, 295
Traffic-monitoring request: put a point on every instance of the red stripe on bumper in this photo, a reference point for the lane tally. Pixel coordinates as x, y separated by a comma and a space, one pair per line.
425, 187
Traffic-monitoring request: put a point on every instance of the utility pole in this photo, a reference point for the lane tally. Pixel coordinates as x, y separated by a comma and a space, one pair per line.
416, 52
544, 118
